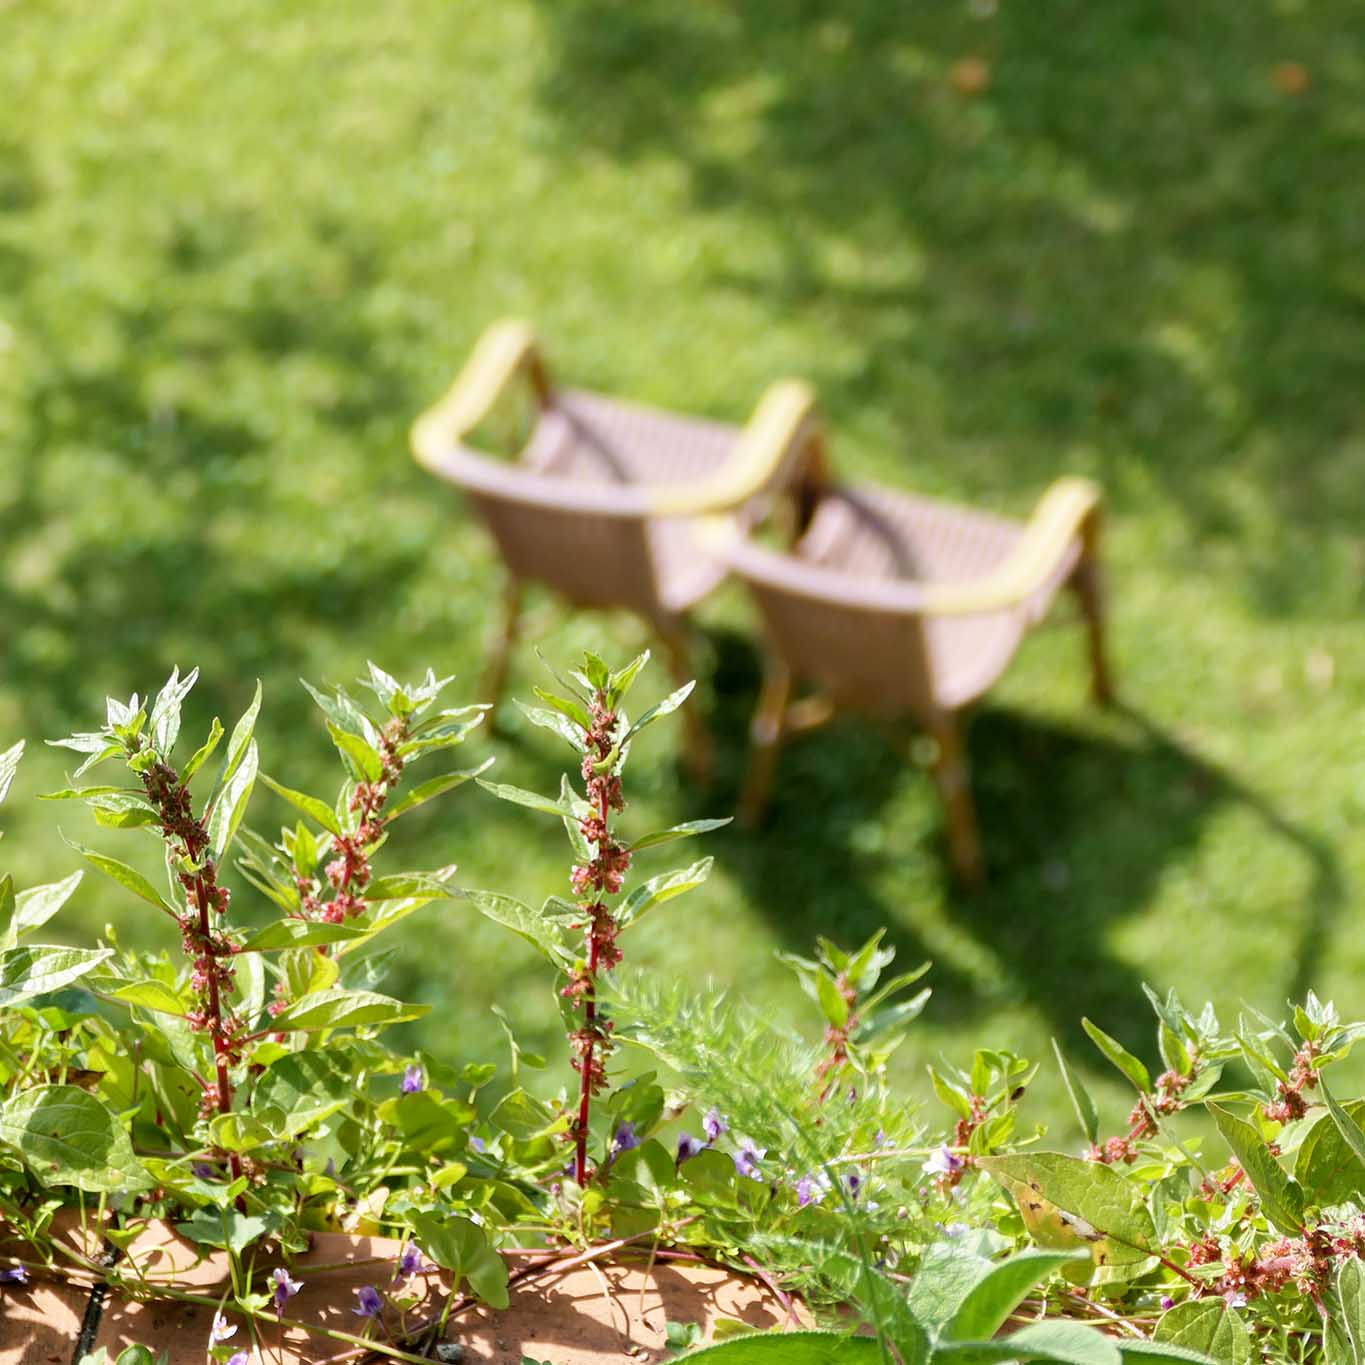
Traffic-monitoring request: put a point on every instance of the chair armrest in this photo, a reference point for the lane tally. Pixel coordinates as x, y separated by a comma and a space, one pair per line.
1070, 508
506, 349
786, 417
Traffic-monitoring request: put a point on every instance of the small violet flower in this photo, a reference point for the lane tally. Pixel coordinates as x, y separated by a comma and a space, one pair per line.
809, 1190
943, 1162
1237, 1300
688, 1147
414, 1079
477, 1144
204, 1171
747, 1159
625, 1138
241, 1358
221, 1330
371, 1302
714, 1126
285, 1287
410, 1263
1167, 1303
855, 1184
15, 1274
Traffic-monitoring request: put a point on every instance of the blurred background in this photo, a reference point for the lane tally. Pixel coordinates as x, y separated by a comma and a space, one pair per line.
243, 245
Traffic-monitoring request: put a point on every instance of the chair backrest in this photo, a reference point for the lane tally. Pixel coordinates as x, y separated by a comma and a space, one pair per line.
589, 543
828, 632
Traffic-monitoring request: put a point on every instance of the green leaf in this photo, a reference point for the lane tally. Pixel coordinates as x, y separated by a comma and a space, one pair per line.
362, 759
462, 1248
306, 1087
204, 752
151, 995
1346, 1125
1208, 1326
663, 888
881, 1022
240, 1132
1348, 1317
684, 831
311, 806
554, 722
34, 907
621, 680
520, 797
1081, 1102
832, 1003
338, 1008
402, 885
542, 933
1326, 1166
659, 710
9, 765
68, 1137
567, 707
1164, 1353
1120, 1056
125, 876
163, 722
1065, 1343
33, 969
1066, 1202
947, 1274
236, 751
435, 786
300, 933
998, 1293
793, 1348
1281, 1199
231, 804
228, 1228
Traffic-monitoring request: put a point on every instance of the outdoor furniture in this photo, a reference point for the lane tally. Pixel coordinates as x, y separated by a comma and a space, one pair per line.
894, 603
602, 504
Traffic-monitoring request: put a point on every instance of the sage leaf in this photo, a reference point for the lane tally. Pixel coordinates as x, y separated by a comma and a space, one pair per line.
1120, 1056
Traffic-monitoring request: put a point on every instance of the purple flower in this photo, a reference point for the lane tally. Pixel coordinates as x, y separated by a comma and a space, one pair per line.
747, 1159
688, 1147
15, 1274
1236, 1300
943, 1162
204, 1171
625, 1139
809, 1190
241, 1358
413, 1080
1167, 1303
477, 1144
371, 1302
410, 1263
714, 1125
855, 1183
285, 1287
221, 1330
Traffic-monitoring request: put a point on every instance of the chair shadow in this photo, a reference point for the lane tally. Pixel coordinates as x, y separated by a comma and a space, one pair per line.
1078, 828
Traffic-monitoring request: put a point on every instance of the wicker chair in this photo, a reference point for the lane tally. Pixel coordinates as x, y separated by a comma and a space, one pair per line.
603, 504
893, 603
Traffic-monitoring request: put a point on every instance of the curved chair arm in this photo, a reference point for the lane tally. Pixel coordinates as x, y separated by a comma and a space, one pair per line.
786, 416
1070, 508
506, 349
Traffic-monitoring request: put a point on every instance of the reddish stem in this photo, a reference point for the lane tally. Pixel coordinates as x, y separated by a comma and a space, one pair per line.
590, 1015
216, 1025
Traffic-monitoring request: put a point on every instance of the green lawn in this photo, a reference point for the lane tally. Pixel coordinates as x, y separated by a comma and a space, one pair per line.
241, 245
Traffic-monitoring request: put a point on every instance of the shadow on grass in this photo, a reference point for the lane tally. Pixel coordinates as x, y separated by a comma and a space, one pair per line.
1132, 238
1078, 828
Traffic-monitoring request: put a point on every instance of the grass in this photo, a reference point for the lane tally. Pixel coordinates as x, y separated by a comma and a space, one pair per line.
242, 245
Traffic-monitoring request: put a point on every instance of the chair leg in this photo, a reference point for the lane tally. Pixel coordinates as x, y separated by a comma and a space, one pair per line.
676, 646
496, 675
953, 777
1088, 584
766, 732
